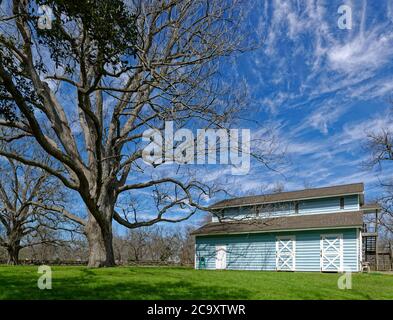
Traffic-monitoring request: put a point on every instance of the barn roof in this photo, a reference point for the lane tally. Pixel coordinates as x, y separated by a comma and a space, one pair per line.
312, 221
354, 188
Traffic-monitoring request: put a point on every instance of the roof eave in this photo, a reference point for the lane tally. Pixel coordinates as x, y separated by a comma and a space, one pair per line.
354, 226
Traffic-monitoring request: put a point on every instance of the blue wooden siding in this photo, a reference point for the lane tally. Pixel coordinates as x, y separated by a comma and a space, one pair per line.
257, 251
311, 206
328, 205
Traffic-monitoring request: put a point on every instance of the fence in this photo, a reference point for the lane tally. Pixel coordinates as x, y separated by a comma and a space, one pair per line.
84, 263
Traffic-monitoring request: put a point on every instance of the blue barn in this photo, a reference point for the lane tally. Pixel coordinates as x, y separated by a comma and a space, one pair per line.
307, 230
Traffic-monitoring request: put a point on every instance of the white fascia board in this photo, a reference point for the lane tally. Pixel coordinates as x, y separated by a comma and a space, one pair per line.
279, 230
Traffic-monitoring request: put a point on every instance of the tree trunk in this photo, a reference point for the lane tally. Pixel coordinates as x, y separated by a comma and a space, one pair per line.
13, 255
100, 244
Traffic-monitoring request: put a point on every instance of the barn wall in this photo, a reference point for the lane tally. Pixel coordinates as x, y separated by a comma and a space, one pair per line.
258, 251
311, 206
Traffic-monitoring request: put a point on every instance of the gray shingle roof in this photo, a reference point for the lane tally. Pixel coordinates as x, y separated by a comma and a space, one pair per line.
354, 188
311, 221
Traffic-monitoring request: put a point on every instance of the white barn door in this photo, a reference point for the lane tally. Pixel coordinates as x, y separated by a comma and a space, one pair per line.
221, 257
332, 252
285, 253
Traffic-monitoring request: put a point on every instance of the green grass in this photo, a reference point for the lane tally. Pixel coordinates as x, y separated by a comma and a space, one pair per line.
182, 283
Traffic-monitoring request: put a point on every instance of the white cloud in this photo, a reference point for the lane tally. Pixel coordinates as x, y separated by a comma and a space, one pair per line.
302, 148
358, 131
321, 118
368, 51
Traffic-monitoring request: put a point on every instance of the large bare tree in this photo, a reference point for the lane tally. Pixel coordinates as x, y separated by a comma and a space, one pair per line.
86, 89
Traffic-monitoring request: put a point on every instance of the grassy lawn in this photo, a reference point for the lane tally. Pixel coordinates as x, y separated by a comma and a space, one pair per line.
183, 283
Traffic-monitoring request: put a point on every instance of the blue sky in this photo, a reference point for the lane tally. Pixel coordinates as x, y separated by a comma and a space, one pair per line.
320, 89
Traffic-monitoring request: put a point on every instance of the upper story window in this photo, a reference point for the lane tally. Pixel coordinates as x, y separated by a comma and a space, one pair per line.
255, 211
296, 207
342, 203
265, 208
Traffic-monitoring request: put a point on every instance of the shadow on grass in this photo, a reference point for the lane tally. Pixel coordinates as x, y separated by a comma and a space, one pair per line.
91, 288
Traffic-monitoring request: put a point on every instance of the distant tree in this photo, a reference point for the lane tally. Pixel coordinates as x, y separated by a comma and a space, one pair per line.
278, 187
187, 253
120, 248
307, 184
30, 211
380, 147
137, 241
155, 244
164, 245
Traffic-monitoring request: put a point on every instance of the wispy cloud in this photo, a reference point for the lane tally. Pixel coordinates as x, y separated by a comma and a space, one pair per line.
364, 53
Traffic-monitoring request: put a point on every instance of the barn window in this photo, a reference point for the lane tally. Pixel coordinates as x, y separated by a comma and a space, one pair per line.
342, 203
296, 207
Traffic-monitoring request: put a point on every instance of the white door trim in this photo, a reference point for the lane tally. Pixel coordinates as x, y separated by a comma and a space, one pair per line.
360, 250
357, 250
286, 262
221, 256
195, 257
331, 258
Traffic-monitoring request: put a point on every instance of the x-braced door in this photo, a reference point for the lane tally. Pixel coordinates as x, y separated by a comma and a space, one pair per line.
285, 253
332, 252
